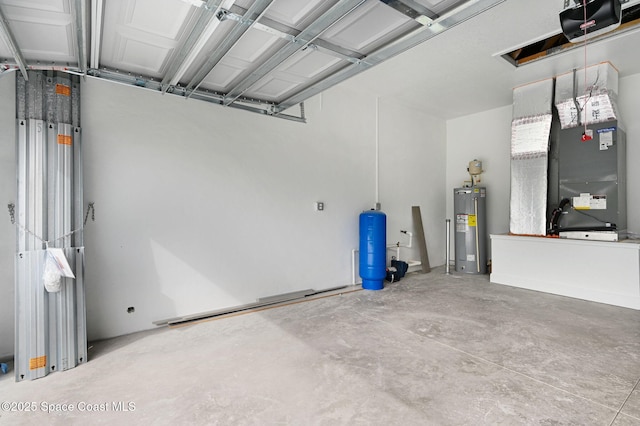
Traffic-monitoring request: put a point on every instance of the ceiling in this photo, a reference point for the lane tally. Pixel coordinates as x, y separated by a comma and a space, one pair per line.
267, 56
461, 71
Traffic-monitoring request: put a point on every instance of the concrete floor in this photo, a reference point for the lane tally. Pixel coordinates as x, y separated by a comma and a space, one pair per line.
429, 350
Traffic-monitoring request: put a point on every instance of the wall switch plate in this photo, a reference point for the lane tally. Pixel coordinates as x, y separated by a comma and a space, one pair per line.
319, 206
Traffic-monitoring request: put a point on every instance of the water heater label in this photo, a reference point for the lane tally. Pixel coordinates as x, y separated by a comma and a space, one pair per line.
472, 220
461, 222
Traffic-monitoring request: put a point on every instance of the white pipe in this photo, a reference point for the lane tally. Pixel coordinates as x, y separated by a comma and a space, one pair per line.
398, 245
448, 247
410, 234
353, 266
397, 248
377, 165
409, 245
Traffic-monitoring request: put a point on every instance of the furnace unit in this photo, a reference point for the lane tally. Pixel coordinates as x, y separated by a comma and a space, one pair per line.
590, 184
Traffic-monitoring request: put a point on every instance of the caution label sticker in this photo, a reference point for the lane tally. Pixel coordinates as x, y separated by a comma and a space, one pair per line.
472, 220
63, 90
65, 140
38, 362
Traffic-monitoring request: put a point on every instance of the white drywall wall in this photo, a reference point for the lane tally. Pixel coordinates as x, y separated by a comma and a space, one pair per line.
412, 173
629, 108
485, 136
200, 207
7, 196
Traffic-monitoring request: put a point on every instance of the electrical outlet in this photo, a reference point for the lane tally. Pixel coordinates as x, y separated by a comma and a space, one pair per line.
319, 206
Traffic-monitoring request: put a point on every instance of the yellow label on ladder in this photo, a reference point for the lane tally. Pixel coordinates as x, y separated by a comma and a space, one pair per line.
472, 220
39, 362
65, 140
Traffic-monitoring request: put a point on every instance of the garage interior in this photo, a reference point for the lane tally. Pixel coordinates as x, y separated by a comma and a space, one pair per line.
211, 133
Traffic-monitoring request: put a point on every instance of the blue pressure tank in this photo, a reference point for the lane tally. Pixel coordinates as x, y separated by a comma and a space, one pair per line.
373, 249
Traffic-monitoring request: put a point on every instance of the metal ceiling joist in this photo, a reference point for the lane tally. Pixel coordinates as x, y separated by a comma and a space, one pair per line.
252, 105
410, 8
79, 11
330, 49
208, 16
287, 33
7, 67
306, 37
10, 41
452, 18
266, 25
97, 9
249, 19
206, 22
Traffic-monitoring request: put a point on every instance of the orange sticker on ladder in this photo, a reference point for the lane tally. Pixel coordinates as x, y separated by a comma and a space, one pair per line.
64, 140
61, 89
39, 362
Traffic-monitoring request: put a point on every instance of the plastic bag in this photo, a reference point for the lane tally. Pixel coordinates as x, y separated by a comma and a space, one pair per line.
52, 276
